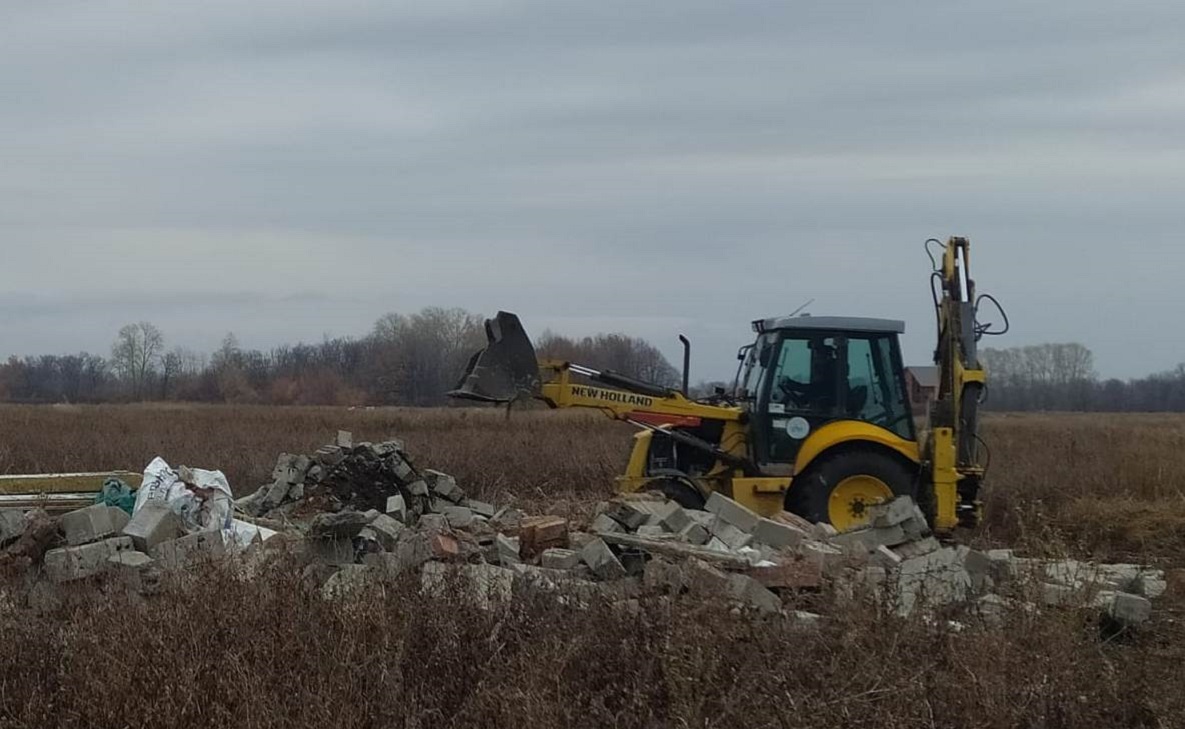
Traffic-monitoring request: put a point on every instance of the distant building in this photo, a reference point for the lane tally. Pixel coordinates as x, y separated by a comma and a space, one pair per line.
922, 383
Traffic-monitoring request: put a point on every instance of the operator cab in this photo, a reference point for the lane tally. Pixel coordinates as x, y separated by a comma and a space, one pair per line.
803, 372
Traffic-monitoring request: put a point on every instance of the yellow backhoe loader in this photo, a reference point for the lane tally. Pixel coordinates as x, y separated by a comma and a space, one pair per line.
818, 423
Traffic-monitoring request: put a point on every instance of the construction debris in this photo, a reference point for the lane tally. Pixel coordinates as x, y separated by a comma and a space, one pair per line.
361, 511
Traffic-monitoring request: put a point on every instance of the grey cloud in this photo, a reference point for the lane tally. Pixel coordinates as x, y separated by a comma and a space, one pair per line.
646, 167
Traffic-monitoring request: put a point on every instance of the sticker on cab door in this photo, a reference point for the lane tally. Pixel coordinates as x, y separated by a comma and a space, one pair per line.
798, 428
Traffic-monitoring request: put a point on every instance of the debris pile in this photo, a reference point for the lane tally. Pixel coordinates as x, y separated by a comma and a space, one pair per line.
360, 512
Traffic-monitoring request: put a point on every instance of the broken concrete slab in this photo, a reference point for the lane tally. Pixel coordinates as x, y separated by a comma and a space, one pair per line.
731, 512
557, 558
154, 523
385, 530
485, 584
67, 564
751, 593
601, 560
481, 508
459, 517
891, 513
349, 581
937, 578
868, 539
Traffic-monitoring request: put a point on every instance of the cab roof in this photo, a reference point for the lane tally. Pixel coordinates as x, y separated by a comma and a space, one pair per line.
836, 323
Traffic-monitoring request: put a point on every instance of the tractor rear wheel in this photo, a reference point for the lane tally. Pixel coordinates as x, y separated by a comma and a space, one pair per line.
838, 489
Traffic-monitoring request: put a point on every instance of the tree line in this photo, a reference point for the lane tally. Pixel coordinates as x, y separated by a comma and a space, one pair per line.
406, 359
1061, 376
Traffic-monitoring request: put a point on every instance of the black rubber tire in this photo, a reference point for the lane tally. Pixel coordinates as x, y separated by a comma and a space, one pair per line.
679, 491
809, 493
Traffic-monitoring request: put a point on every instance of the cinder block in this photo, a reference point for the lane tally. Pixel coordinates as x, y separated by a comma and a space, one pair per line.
601, 560
386, 530
893, 512
154, 523
481, 508
604, 524
192, 548
775, 534
507, 549
345, 440
91, 524
1150, 584
12, 525
1128, 609
444, 486
458, 517
695, 533
730, 511
75, 563
397, 508
557, 558
731, 536
629, 515
652, 531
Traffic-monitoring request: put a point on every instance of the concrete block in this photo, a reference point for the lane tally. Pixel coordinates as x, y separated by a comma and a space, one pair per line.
349, 581
12, 525
751, 593
1150, 584
672, 517
444, 486
869, 538
340, 525
732, 536
891, 513
601, 560
329, 456
629, 515
1125, 608
652, 530
695, 533
825, 531
508, 547
604, 524
481, 508
345, 440
192, 548
119, 518
412, 550
703, 518
882, 556
1056, 593
433, 523
910, 550
826, 555
459, 517
716, 545
731, 512
777, 534
557, 558
91, 524
67, 564
397, 508
154, 523
937, 578
386, 530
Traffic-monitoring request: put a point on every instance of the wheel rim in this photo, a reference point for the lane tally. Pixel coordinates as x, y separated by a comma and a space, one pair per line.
848, 506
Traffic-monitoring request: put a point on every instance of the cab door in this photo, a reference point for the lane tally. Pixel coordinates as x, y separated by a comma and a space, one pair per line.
803, 387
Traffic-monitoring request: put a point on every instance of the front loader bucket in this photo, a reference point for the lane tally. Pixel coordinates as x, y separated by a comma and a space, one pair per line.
506, 369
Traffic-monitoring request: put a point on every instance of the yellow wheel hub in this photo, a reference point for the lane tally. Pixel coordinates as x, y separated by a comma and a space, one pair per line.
848, 505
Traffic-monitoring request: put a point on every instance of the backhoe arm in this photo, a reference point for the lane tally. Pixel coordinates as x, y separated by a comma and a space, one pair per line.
953, 445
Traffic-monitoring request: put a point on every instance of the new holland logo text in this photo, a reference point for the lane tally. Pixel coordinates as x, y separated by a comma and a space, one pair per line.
625, 398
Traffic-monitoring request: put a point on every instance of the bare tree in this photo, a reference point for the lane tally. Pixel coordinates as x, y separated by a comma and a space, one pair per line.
135, 353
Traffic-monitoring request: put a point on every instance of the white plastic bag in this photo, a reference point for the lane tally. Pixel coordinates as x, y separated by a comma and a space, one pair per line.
160, 484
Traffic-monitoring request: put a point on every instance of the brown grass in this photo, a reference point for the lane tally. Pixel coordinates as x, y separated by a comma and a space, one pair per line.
223, 652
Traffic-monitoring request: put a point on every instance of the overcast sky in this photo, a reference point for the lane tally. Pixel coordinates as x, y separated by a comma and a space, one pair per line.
287, 170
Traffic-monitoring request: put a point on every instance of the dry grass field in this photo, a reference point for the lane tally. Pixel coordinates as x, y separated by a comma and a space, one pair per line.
266, 652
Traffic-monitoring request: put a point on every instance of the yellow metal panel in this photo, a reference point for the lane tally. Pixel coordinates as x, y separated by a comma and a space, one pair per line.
765, 496
851, 431
636, 468
946, 480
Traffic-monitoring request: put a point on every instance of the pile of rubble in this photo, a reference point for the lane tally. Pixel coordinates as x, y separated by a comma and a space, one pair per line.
360, 512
